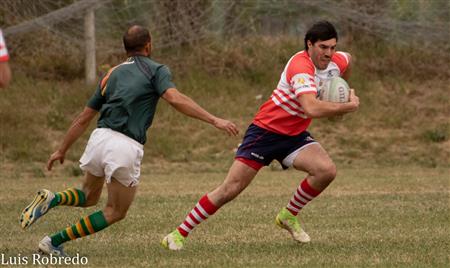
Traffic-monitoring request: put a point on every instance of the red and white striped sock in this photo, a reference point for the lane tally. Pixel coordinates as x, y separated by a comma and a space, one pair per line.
304, 194
202, 210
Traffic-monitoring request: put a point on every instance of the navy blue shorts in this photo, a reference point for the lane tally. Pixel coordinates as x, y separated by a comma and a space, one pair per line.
261, 146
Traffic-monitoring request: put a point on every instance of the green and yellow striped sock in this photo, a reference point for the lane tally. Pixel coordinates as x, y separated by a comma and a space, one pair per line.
86, 226
70, 197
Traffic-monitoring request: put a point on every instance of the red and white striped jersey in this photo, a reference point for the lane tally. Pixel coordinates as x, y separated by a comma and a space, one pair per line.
282, 113
3, 51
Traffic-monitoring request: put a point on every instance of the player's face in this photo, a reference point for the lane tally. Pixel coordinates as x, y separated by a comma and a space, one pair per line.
321, 52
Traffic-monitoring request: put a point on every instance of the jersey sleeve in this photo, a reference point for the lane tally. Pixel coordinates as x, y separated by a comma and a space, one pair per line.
163, 80
97, 99
341, 60
3, 50
300, 75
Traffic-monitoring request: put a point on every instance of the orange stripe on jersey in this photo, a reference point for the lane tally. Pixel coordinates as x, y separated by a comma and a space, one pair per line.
104, 81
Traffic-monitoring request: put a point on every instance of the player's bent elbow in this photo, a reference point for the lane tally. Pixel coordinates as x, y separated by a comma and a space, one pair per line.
312, 108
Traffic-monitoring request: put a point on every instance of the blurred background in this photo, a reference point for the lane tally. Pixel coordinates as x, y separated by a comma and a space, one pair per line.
228, 56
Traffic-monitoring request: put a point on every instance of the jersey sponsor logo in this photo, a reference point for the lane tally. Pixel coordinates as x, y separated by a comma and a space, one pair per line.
332, 73
300, 81
257, 156
303, 86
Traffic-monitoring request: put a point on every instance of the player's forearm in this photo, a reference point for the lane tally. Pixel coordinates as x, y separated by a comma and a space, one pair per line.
5, 74
326, 109
76, 129
187, 106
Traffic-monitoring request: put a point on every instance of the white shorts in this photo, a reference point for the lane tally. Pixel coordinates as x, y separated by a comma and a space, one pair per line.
112, 154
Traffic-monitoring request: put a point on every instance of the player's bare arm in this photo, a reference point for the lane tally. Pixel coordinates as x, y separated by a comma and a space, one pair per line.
315, 108
5, 74
187, 106
77, 128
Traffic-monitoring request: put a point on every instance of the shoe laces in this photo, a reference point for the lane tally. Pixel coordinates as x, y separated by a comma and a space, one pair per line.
292, 221
178, 238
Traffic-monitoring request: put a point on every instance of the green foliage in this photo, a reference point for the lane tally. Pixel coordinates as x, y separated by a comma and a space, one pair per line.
55, 64
401, 111
439, 134
73, 170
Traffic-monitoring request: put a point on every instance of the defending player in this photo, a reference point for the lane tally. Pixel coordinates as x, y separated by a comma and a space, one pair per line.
126, 99
279, 131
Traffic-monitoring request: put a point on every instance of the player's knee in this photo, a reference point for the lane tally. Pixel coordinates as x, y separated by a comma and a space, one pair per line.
113, 215
91, 202
91, 199
327, 172
92, 196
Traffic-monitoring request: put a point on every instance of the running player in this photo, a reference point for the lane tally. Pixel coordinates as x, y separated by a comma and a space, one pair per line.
279, 131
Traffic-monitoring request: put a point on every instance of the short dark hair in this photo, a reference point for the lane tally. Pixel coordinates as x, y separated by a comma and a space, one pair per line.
322, 30
135, 38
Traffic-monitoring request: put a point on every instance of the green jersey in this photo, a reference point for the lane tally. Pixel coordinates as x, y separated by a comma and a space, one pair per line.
127, 96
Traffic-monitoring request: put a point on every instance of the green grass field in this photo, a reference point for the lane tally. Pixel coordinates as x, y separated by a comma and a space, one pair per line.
392, 217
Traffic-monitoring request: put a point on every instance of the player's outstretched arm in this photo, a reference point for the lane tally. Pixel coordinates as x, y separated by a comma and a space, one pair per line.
5, 74
315, 108
79, 125
187, 106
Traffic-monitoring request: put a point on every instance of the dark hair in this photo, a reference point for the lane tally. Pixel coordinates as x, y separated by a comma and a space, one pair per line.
322, 30
135, 38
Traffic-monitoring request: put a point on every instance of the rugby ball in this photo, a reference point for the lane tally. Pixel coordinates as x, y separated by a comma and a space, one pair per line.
335, 90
